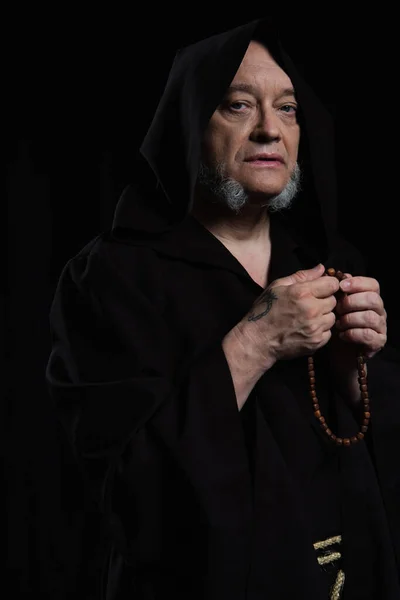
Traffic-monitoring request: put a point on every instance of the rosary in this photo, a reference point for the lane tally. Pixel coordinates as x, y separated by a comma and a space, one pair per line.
362, 380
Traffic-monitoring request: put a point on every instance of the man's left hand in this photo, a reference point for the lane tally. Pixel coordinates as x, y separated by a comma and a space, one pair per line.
360, 327
361, 315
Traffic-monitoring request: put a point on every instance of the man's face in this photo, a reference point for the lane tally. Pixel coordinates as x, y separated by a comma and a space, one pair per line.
257, 118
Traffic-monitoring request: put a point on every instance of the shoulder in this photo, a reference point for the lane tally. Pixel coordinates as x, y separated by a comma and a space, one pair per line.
104, 262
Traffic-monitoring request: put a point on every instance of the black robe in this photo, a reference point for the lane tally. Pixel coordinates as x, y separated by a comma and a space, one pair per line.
202, 501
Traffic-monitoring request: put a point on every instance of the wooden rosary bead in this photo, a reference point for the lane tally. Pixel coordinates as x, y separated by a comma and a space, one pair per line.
362, 380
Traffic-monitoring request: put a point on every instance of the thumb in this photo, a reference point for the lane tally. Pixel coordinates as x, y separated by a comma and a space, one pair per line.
302, 276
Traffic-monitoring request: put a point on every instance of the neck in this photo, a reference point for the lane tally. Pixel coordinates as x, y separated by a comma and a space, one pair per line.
250, 226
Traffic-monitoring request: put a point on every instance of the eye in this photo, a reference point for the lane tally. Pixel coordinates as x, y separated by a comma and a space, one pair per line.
238, 106
289, 109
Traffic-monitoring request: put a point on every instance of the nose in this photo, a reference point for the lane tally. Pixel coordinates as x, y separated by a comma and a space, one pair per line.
267, 127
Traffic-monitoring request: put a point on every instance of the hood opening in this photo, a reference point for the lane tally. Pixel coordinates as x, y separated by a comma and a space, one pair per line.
200, 74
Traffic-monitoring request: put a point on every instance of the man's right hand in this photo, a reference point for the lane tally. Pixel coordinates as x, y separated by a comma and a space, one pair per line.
293, 317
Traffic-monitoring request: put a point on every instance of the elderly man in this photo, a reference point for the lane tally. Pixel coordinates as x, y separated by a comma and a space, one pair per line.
230, 404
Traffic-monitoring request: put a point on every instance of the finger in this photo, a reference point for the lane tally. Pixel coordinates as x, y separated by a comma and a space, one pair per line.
365, 337
301, 276
328, 321
322, 287
327, 304
363, 319
359, 284
361, 301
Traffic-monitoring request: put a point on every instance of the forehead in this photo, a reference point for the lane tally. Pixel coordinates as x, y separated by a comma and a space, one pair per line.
259, 68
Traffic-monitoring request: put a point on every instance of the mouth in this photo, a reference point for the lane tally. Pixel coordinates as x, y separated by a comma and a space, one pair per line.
266, 160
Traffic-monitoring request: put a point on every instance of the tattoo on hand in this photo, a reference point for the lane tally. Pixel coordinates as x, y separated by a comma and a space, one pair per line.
267, 298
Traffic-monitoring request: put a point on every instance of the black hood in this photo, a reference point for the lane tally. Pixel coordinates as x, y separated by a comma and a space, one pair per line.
161, 194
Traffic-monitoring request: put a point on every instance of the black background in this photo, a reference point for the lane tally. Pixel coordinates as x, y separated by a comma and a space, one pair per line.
80, 91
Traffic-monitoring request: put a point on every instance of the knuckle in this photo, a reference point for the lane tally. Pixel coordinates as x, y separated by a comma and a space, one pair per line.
334, 285
311, 313
347, 303
375, 285
374, 299
301, 275
293, 290
331, 285
372, 318
358, 280
311, 328
297, 292
324, 338
368, 335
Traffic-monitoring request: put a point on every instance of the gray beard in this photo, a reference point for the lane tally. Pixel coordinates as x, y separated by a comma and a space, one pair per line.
232, 194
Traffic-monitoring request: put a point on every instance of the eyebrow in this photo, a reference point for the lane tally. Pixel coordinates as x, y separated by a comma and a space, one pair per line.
250, 89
